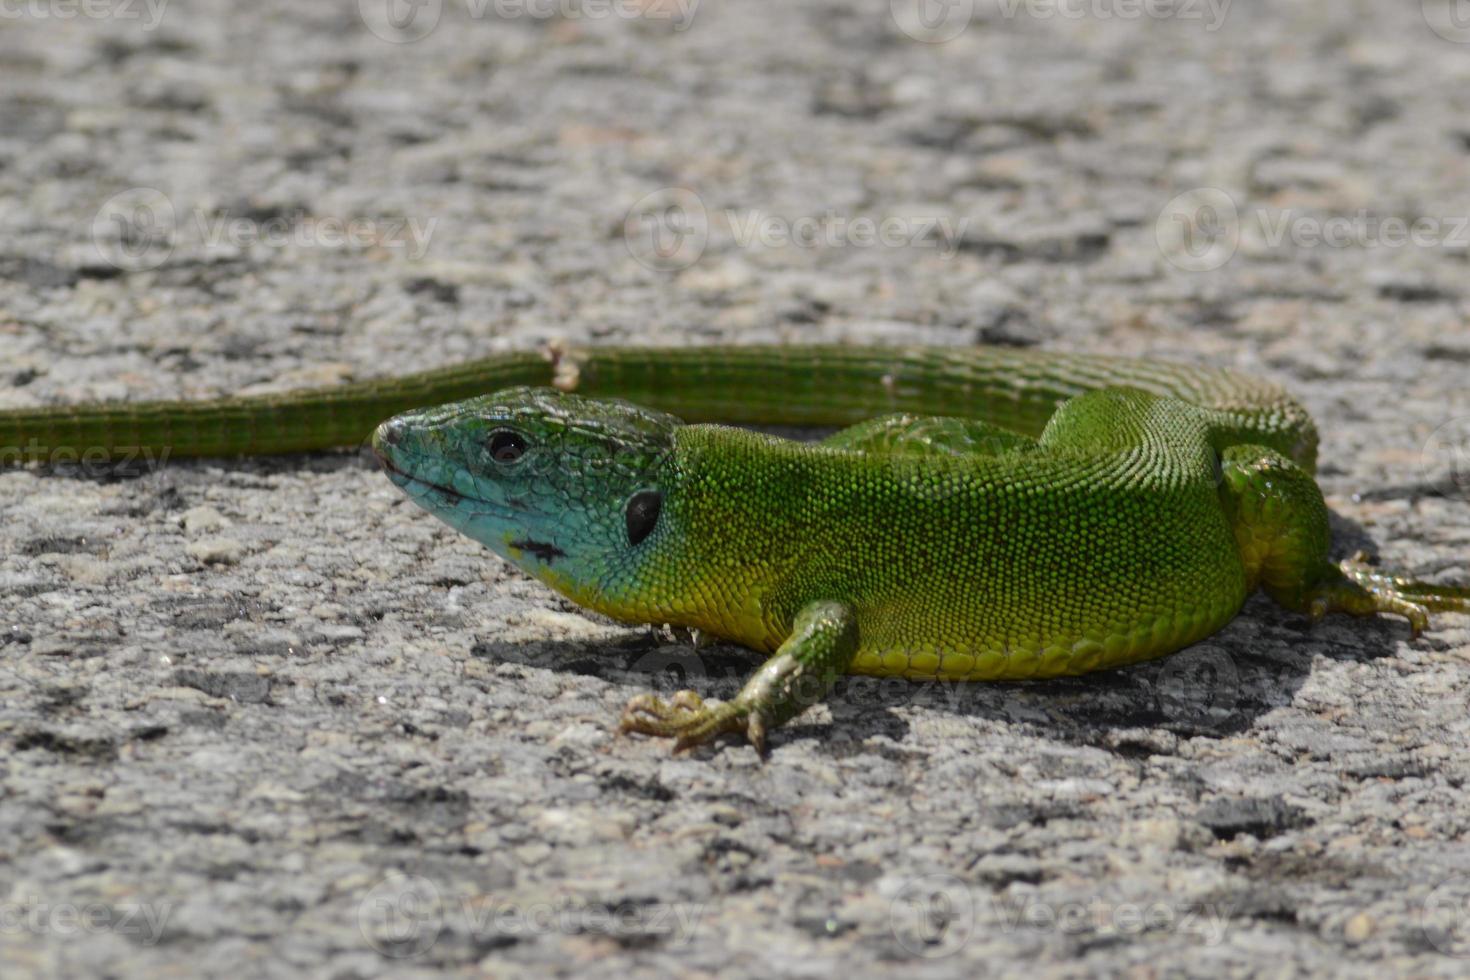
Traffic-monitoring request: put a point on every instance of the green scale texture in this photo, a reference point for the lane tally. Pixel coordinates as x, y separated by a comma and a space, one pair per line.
1104, 546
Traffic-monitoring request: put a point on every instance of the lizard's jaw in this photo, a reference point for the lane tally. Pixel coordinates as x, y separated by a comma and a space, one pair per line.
402, 478
427, 483
415, 486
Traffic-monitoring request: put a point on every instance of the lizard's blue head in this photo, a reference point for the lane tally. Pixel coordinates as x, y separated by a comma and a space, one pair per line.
566, 488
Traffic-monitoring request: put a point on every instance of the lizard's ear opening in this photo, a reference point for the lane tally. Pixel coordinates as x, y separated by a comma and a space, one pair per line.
642, 512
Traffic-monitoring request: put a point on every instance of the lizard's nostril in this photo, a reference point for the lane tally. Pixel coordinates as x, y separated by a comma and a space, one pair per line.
390, 432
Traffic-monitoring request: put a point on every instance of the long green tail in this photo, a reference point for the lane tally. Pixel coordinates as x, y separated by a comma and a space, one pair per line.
803, 385
297, 421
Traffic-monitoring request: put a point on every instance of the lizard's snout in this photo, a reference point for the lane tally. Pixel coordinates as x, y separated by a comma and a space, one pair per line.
386, 438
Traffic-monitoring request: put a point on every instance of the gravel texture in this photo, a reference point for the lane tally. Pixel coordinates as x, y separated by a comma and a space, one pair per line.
265, 718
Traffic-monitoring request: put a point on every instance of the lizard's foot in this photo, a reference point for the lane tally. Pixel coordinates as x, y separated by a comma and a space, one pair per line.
823, 641
1364, 590
1281, 528
691, 720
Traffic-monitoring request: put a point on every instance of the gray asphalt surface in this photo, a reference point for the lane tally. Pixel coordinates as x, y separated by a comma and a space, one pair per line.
265, 718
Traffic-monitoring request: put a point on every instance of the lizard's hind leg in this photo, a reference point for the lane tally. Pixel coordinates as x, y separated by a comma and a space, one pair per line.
1281, 528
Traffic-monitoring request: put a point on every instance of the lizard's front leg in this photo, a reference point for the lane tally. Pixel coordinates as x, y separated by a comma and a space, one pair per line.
823, 642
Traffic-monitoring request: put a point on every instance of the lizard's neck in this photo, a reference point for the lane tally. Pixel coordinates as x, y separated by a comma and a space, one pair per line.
730, 532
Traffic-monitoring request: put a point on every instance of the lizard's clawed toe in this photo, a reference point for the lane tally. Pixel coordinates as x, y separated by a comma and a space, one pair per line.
688, 718
1365, 590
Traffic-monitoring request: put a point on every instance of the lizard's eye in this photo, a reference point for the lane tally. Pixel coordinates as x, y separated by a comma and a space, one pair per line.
505, 446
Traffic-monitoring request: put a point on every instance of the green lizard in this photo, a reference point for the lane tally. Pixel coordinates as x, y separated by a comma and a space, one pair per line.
989, 514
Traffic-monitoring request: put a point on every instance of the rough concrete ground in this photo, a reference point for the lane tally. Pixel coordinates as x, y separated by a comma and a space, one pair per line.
264, 718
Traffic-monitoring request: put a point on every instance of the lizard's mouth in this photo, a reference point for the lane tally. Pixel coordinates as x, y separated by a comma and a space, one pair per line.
404, 479
416, 486
429, 481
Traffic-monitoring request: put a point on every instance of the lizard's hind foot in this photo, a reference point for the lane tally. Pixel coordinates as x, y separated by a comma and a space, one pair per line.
1365, 590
